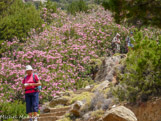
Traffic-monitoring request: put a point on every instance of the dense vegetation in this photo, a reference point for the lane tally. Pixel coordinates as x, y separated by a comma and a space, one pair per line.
60, 47
60, 54
64, 4
17, 20
77, 6
139, 12
140, 79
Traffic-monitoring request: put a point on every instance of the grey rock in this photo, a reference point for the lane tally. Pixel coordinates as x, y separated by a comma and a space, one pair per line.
102, 86
87, 87
87, 116
107, 103
107, 68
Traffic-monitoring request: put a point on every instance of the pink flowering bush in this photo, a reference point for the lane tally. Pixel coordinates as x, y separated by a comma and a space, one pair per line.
60, 54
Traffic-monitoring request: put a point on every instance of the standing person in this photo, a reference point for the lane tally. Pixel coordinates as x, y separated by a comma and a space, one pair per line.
30, 83
116, 42
129, 40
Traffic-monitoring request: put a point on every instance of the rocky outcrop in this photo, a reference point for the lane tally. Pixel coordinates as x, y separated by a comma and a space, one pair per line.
120, 113
102, 86
107, 69
96, 103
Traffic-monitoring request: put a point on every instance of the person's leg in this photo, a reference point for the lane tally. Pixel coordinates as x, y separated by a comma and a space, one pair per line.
127, 48
118, 49
28, 105
35, 101
30, 115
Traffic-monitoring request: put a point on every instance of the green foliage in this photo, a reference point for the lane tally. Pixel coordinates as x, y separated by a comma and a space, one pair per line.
98, 1
63, 4
135, 11
12, 110
19, 19
114, 6
141, 77
4, 4
77, 6
51, 6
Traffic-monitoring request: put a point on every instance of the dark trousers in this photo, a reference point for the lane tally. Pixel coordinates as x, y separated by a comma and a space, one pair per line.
32, 102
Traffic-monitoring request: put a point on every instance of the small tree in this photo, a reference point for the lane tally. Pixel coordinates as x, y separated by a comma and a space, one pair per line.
19, 19
143, 12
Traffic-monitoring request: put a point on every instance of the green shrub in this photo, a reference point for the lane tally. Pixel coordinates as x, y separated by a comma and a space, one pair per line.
77, 6
19, 19
4, 5
135, 12
141, 77
12, 110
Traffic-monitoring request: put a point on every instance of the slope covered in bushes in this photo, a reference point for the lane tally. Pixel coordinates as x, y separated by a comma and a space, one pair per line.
140, 79
60, 54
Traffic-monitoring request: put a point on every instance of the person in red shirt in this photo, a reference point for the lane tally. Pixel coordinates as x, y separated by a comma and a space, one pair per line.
31, 93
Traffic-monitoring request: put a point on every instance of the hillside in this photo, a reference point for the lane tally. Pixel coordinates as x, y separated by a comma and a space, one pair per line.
71, 52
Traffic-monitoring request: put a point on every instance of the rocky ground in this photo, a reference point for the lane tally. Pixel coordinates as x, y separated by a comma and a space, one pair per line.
96, 103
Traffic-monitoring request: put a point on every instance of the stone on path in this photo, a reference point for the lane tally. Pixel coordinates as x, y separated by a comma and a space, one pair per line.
57, 101
76, 108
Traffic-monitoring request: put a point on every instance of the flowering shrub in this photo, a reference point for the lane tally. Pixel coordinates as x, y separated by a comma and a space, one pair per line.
47, 11
60, 54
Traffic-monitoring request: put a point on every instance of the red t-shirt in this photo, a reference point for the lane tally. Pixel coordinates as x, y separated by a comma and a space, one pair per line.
29, 79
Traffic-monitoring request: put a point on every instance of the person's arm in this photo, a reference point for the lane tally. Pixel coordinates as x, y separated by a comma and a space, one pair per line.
23, 86
23, 82
133, 39
35, 84
119, 41
126, 41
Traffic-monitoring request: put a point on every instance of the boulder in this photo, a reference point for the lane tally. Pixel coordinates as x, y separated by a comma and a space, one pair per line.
119, 113
59, 100
45, 108
86, 116
76, 108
